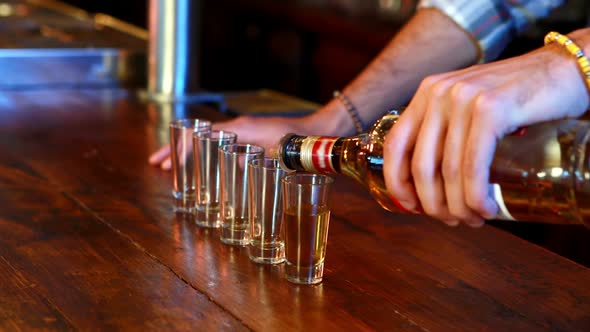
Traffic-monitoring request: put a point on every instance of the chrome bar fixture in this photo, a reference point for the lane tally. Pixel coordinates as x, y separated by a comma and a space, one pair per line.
173, 49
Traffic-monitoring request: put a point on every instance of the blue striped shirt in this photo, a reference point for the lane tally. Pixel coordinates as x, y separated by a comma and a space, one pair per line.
493, 23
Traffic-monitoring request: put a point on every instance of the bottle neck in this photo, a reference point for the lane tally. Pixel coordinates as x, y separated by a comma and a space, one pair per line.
315, 154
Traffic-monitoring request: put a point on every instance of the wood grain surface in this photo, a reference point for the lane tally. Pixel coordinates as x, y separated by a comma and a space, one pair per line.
89, 241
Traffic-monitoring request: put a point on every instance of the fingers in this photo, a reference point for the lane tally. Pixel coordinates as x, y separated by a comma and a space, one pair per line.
260, 131
489, 124
397, 153
158, 156
426, 161
166, 164
437, 156
453, 155
162, 157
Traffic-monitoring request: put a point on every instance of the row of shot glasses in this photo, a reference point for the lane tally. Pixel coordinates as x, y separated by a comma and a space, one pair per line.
280, 215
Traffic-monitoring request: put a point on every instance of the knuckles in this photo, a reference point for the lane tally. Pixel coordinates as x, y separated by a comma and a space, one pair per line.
462, 90
451, 167
484, 107
440, 90
428, 82
422, 171
455, 90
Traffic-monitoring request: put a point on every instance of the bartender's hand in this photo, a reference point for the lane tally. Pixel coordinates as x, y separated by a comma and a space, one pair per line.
437, 157
264, 131
331, 119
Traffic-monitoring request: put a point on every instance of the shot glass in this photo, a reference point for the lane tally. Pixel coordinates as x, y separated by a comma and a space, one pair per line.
266, 211
207, 176
234, 158
181, 152
307, 216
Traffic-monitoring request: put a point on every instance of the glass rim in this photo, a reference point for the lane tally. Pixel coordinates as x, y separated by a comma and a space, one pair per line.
190, 123
242, 148
221, 134
326, 179
262, 163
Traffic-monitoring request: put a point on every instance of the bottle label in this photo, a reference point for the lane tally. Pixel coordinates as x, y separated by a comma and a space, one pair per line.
503, 213
316, 154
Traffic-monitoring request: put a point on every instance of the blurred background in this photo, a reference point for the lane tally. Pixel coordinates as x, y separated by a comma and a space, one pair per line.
305, 48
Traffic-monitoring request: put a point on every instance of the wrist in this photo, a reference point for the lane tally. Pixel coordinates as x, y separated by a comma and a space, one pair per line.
582, 38
331, 120
571, 56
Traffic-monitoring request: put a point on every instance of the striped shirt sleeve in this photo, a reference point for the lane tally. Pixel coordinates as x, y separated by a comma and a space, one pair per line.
493, 23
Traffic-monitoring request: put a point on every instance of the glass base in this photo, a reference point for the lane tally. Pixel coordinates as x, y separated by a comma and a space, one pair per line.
267, 255
206, 216
305, 275
235, 236
184, 205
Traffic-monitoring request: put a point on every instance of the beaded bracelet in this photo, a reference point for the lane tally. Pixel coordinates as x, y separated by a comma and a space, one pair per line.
351, 109
575, 50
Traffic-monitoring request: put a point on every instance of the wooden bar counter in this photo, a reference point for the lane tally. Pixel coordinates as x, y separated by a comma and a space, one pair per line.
89, 241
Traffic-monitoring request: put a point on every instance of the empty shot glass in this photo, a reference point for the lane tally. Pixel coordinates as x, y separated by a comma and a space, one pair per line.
234, 158
207, 176
307, 216
266, 211
181, 152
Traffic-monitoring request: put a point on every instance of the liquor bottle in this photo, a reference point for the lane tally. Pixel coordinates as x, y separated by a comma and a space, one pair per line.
543, 175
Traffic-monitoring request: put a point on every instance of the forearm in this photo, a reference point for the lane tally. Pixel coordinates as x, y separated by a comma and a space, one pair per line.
573, 71
429, 43
438, 155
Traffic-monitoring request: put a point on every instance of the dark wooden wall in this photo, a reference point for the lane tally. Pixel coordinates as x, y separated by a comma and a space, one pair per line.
302, 50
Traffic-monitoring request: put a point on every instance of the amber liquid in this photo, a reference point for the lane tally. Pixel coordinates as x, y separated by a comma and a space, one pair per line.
543, 175
530, 198
367, 168
306, 234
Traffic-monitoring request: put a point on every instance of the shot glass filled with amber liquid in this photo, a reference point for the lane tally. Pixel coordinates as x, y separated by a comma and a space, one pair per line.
307, 217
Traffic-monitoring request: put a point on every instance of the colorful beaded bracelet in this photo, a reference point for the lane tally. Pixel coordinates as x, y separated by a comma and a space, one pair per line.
575, 50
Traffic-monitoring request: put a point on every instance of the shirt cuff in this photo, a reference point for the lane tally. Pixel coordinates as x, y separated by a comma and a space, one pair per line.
490, 28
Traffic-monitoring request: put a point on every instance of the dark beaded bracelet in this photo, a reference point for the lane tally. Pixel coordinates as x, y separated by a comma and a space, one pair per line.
351, 109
